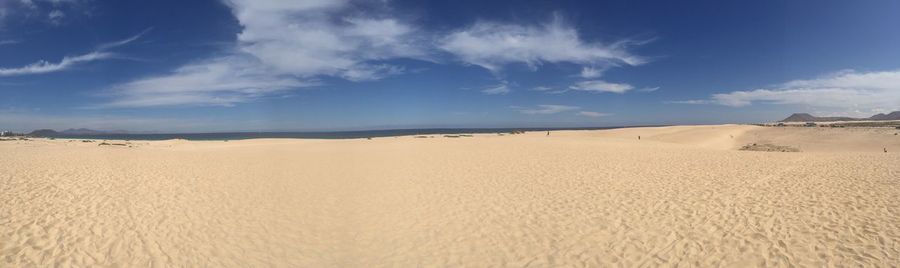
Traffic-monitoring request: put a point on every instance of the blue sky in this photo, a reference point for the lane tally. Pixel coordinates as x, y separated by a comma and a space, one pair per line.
242, 65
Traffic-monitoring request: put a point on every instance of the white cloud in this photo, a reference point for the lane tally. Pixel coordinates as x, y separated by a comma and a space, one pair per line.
690, 102
548, 109
56, 16
500, 89
27, 9
601, 86
591, 72
219, 82
283, 45
493, 45
33, 3
123, 42
842, 91
549, 90
43, 66
592, 114
313, 38
365, 72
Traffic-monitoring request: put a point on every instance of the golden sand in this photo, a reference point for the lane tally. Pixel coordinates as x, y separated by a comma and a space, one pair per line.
680, 195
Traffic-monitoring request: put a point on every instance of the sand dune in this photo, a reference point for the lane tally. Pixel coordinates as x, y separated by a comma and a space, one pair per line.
680, 195
817, 139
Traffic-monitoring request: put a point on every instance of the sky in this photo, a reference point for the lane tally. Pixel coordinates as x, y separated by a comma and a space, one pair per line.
308, 65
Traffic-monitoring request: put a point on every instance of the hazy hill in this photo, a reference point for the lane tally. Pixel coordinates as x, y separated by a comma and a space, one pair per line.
43, 133
890, 116
81, 131
804, 117
72, 131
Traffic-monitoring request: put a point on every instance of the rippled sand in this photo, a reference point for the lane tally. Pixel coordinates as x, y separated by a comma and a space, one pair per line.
680, 195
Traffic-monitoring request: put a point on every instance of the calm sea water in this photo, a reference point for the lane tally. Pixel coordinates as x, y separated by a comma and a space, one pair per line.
312, 135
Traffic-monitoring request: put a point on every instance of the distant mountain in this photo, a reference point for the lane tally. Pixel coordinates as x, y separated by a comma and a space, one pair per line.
72, 131
43, 133
804, 117
890, 116
81, 131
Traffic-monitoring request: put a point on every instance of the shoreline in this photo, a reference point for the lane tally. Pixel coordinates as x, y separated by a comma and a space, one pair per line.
356, 134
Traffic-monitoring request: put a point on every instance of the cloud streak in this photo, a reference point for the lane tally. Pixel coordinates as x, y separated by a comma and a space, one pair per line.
41, 9
601, 86
292, 44
548, 109
284, 45
317, 38
43, 66
842, 91
592, 114
500, 89
493, 45
591, 72
219, 82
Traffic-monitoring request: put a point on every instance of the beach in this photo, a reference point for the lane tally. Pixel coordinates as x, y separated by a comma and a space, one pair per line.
679, 195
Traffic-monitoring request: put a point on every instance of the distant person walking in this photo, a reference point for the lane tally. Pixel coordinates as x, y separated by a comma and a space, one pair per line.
885, 149
548, 133
639, 137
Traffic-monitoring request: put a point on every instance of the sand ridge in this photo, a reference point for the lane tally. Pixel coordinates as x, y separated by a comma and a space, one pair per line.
679, 196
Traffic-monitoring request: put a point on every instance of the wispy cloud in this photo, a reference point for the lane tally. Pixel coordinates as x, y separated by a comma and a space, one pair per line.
43, 66
56, 16
549, 90
284, 45
314, 38
367, 72
49, 10
8, 42
846, 90
690, 102
492, 45
123, 42
547, 109
591, 72
601, 86
592, 114
291, 44
220, 82
502, 88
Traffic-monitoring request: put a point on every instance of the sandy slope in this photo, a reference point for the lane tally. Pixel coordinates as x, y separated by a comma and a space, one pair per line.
817, 139
680, 195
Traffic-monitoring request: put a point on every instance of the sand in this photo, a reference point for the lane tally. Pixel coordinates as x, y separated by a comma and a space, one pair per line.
679, 196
